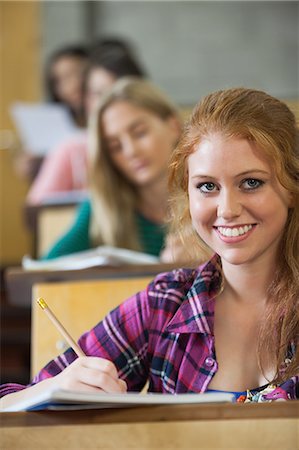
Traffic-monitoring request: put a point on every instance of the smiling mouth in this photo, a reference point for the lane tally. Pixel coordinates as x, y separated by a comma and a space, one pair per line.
234, 231
140, 166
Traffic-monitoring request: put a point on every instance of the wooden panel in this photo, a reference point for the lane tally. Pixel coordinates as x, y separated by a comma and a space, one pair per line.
15, 240
20, 36
52, 223
209, 426
20, 80
79, 305
249, 434
49, 220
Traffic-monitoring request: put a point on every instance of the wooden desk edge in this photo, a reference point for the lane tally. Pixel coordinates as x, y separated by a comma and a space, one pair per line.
18, 282
219, 411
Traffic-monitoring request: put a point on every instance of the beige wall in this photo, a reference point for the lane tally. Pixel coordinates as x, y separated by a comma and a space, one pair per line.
20, 80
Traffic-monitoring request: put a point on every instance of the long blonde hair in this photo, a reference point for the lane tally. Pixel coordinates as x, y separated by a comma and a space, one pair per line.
256, 116
113, 197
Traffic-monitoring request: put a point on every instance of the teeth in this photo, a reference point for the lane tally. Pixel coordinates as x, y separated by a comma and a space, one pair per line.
234, 232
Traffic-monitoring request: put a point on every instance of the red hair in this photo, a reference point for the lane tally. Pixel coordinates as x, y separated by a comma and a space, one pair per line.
269, 123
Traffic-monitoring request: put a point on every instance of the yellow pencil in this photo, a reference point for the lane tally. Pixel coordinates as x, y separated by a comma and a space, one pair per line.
60, 327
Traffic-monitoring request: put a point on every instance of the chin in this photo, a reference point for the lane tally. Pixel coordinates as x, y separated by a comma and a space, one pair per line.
235, 258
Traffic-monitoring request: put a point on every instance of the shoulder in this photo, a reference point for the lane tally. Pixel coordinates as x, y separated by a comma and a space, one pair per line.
179, 280
85, 206
176, 284
83, 212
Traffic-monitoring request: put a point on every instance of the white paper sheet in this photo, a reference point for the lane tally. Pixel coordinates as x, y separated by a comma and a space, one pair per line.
42, 126
99, 256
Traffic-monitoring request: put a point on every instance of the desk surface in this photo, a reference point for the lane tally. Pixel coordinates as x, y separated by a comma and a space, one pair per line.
19, 282
213, 426
216, 411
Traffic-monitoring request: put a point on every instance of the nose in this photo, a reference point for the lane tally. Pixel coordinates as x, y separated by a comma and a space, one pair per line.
229, 205
130, 148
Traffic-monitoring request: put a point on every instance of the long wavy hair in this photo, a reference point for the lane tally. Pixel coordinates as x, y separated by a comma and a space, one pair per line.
113, 197
258, 117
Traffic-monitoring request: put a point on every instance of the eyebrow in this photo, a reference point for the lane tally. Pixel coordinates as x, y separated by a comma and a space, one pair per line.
246, 172
131, 128
136, 123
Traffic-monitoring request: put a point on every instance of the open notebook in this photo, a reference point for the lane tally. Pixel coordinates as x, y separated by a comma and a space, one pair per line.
99, 256
66, 400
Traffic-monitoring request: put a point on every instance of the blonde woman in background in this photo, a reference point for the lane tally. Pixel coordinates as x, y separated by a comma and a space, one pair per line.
132, 135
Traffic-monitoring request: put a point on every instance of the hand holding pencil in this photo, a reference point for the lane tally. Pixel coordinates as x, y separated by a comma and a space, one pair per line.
86, 373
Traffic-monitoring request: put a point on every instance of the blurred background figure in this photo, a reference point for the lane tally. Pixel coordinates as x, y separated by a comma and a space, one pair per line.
64, 76
109, 59
63, 79
64, 168
133, 132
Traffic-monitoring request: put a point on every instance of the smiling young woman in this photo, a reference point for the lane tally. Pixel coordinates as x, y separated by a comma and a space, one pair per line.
237, 167
232, 323
237, 205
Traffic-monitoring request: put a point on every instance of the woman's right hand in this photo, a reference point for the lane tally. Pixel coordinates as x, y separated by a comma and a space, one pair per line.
90, 374
85, 374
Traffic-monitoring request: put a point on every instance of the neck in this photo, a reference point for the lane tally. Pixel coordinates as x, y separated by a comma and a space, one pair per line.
152, 201
248, 283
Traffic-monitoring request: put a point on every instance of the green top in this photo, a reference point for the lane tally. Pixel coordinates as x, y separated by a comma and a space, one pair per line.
77, 238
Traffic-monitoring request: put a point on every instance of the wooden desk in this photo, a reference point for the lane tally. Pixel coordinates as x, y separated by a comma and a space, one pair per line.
49, 220
209, 426
19, 282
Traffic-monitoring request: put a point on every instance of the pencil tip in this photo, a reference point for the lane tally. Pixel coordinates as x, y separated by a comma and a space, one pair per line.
42, 303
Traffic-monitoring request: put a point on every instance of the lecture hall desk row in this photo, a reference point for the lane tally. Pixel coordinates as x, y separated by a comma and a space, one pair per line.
208, 426
19, 282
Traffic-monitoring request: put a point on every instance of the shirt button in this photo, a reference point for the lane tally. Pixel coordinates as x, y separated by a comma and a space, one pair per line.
209, 362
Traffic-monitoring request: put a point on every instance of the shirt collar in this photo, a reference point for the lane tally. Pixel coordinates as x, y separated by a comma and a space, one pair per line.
196, 313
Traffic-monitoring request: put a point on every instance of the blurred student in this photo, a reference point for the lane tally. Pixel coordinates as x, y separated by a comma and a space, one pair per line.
231, 324
64, 80
133, 133
65, 168
64, 76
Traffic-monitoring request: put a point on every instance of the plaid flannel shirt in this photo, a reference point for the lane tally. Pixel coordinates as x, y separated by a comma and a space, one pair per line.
163, 334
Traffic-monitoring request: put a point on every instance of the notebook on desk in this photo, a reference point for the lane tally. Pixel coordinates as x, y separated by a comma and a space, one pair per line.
57, 399
99, 256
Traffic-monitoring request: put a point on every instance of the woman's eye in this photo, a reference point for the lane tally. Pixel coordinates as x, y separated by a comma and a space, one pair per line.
252, 183
207, 187
140, 133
